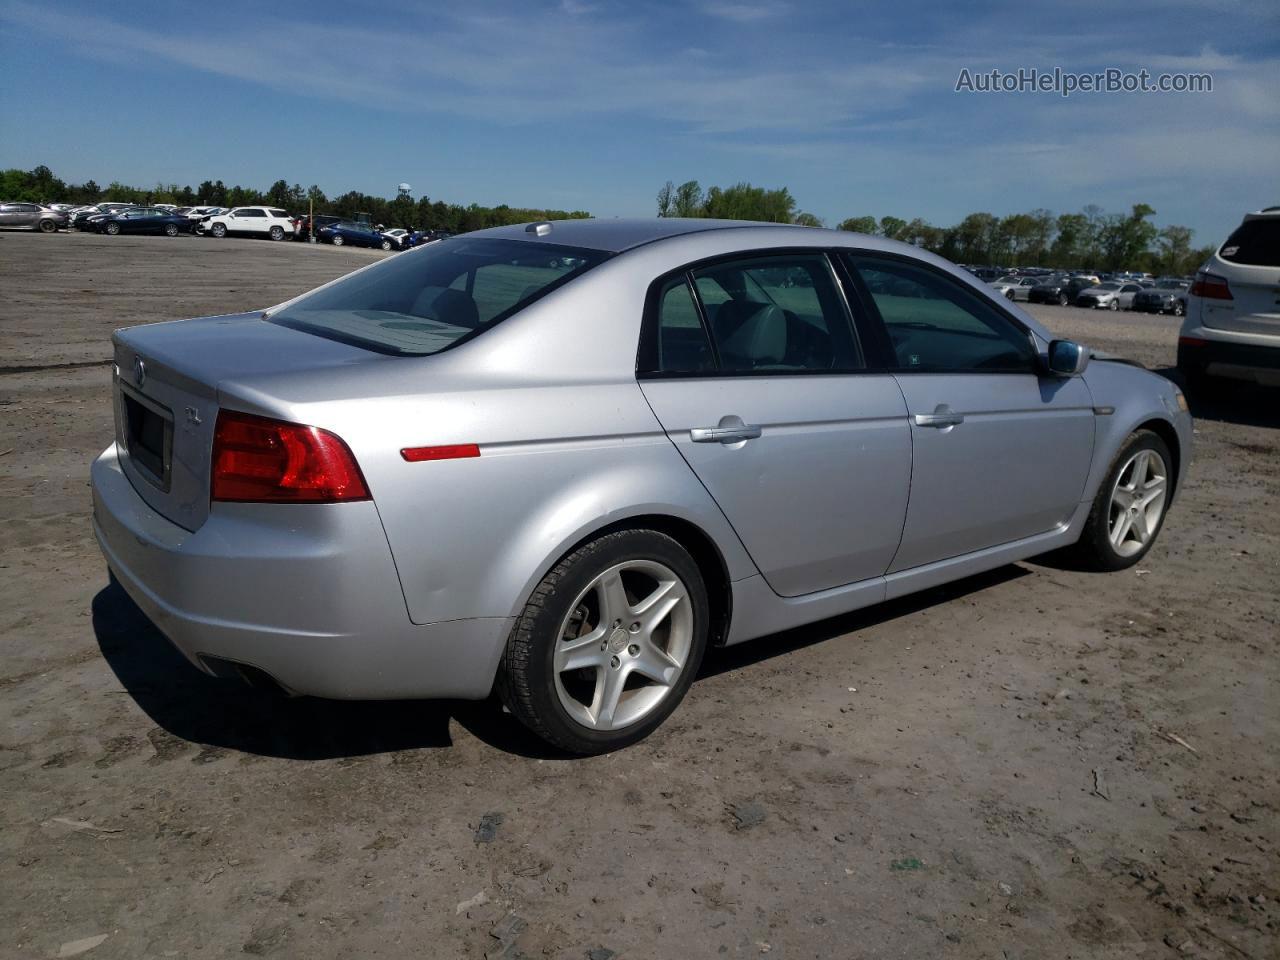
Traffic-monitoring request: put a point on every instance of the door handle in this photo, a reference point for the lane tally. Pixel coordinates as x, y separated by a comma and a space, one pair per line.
727, 434
941, 417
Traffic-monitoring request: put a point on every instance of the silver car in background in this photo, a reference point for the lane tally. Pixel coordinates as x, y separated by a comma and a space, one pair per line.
31, 216
1112, 295
1015, 288
563, 459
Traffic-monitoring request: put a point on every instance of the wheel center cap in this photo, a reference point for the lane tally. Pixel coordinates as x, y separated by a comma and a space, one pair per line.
618, 640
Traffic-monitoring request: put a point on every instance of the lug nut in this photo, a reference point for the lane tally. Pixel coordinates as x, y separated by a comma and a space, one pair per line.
635, 628
613, 662
634, 649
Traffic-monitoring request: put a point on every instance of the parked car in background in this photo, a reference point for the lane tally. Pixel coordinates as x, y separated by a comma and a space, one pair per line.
31, 216
1015, 288
398, 236
270, 222
559, 462
1060, 290
143, 220
355, 234
1161, 300
199, 213
1232, 326
302, 225
80, 219
420, 237
1111, 295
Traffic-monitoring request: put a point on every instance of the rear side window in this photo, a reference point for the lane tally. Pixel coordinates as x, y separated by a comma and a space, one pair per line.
683, 346
937, 325
427, 301
1255, 243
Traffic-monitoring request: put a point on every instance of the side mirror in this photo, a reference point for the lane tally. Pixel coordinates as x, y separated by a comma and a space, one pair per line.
1067, 358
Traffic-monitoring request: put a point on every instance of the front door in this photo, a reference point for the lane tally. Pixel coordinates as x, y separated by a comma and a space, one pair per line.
999, 453
760, 382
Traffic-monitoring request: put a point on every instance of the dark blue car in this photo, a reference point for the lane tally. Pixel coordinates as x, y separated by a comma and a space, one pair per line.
356, 234
154, 220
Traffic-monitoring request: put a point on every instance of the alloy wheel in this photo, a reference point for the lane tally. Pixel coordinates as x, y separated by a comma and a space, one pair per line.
624, 645
1137, 502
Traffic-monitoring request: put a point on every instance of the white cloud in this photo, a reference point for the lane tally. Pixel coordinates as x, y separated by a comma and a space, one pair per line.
745, 12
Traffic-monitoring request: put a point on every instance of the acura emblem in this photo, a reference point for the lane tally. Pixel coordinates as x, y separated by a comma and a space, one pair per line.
139, 371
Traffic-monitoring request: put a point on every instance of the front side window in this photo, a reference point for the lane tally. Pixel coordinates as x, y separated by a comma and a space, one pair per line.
426, 301
936, 324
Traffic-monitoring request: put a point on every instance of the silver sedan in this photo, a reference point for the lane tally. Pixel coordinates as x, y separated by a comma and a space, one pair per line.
564, 459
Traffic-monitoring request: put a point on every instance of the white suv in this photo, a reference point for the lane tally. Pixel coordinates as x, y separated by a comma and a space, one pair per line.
1232, 326
255, 221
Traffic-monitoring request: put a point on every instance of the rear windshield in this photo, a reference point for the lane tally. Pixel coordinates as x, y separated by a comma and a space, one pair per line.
1255, 242
426, 301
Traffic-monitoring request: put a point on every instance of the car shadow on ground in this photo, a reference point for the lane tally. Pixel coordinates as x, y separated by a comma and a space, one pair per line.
1230, 401
229, 714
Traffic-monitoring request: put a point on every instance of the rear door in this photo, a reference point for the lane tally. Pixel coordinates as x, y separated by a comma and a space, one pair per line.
998, 453
754, 370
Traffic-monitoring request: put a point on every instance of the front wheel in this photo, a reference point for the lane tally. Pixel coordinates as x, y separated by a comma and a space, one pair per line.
608, 644
386, 244
112, 229
1129, 510
1179, 309
277, 233
1113, 305
1008, 295
1063, 299
219, 230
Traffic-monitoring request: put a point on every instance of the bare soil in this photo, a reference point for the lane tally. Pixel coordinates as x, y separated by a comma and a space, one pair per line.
1034, 763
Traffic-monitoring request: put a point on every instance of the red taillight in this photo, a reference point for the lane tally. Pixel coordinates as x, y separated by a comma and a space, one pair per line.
1191, 342
259, 460
453, 451
1211, 287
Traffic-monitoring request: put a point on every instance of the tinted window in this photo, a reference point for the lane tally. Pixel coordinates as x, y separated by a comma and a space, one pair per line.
682, 345
936, 324
278, 213
250, 213
777, 313
426, 301
1255, 242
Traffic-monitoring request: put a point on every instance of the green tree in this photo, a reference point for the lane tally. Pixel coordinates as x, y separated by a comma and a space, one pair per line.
858, 225
666, 199
805, 219
688, 200
892, 228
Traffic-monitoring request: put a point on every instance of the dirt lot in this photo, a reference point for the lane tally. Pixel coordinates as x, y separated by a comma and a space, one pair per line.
1035, 763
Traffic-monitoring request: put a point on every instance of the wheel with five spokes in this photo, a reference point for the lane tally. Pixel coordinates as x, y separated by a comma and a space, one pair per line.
1129, 509
608, 644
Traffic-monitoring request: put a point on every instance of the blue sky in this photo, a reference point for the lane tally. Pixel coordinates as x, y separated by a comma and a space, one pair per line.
593, 104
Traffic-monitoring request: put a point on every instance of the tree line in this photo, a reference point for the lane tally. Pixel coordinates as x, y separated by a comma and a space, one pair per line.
1038, 238
42, 186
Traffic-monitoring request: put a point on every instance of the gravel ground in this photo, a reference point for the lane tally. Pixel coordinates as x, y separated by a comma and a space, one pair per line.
1033, 763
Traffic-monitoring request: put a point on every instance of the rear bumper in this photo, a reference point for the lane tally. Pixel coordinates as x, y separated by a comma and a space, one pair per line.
306, 593
1217, 353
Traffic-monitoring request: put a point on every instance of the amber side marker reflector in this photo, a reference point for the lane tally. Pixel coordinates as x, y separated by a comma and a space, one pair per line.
455, 451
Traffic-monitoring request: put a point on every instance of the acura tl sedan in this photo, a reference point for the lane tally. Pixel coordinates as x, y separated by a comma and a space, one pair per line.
562, 460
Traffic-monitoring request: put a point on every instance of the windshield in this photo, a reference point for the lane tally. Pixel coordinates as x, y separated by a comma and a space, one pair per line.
423, 302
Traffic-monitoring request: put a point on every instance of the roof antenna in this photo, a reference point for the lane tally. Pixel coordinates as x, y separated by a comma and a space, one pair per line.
540, 229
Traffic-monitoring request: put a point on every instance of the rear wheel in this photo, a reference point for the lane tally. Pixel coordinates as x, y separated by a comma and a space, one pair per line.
1178, 308
338, 240
171, 230
219, 230
48, 226
277, 233
608, 644
112, 229
1129, 510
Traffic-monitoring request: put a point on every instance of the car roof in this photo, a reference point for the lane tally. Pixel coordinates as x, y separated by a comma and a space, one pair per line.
616, 235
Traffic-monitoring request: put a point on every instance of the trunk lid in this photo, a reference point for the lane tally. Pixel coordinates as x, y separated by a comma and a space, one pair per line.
168, 385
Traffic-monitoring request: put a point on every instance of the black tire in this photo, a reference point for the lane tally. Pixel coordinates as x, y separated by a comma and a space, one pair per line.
1178, 308
1063, 300
1008, 294
386, 244
1195, 378
526, 680
48, 226
1094, 548
1113, 306
276, 233
218, 230
111, 229
337, 240
171, 230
